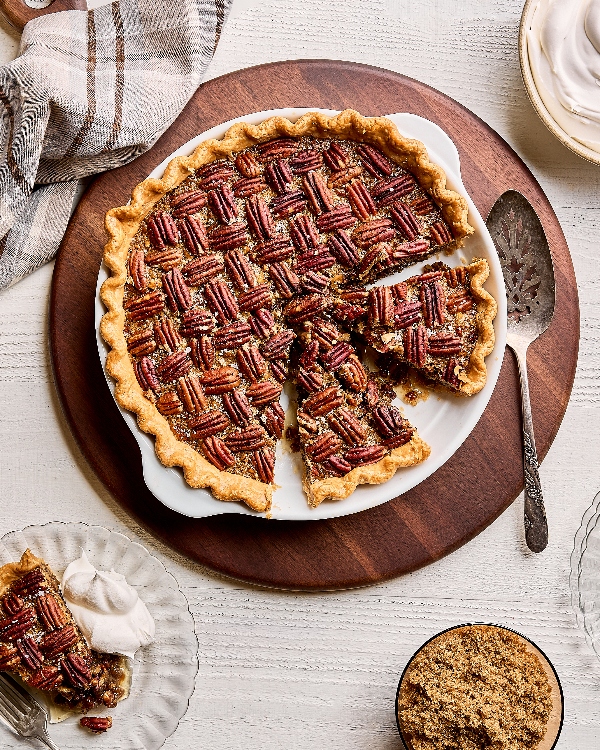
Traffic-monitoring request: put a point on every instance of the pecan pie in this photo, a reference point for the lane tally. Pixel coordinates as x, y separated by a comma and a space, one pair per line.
41, 644
250, 257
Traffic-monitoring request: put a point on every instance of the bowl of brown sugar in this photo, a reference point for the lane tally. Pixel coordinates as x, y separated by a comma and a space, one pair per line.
477, 687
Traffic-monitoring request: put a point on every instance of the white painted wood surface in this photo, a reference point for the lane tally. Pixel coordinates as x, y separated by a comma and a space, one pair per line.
281, 670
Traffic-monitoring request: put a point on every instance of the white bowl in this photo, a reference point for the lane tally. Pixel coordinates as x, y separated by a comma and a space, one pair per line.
443, 420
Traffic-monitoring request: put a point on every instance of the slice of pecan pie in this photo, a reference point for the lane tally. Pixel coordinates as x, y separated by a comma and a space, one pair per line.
41, 644
218, 268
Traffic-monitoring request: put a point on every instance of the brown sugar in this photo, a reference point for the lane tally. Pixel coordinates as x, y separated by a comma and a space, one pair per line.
472, 688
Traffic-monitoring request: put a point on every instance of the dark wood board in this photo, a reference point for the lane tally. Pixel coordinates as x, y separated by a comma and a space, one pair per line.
444, 512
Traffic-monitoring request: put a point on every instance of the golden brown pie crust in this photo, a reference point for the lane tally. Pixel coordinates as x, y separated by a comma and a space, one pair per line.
122, 224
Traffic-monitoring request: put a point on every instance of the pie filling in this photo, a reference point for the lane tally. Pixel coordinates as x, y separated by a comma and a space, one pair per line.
252, 271
41, 644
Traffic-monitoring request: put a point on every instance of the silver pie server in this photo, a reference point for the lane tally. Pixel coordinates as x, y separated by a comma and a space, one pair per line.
526, 264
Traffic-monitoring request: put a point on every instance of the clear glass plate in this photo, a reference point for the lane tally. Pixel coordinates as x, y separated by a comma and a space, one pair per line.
163, 672
585, 574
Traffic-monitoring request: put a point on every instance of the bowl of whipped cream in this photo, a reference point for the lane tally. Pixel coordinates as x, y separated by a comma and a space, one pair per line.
559, 49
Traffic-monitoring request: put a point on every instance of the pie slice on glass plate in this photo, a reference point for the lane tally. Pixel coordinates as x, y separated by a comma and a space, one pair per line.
222, 271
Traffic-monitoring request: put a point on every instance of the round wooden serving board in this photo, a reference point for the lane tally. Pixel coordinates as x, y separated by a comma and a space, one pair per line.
442, 513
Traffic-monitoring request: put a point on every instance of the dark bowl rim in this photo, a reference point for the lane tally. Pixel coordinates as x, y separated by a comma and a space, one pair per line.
488, 624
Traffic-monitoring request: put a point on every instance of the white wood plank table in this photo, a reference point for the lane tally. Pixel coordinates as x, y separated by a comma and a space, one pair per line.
305, 671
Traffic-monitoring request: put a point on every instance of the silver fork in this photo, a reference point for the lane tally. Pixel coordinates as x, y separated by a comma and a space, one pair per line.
22, 712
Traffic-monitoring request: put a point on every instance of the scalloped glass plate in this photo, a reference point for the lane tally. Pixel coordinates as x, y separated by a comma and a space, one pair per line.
163, 672
585, 575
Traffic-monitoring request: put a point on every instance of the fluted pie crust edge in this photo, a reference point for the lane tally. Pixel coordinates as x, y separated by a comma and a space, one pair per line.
122, 224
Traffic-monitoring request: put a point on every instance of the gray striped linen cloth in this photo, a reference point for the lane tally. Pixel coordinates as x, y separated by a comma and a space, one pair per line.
90, 91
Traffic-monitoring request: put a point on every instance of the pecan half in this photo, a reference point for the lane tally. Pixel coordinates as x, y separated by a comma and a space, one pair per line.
288, 204
306, 423
388, 420
263, 393
191, 394
381, 306
46, 678
169, 404
303, 233
161, 229
222, 204
336, 157
174, 366
390, 190
239, 270
12, 604
77, 670
456, 276
375, 162
374, 231
255, 298
415, 345
9, 657
176, 290
404, 250
354, 374
407, 313
273, 251
137, 270
460, 301
342, 247
319, 195
377, 255
450, 375
217, 453
221, 301
31, 583
444, 345
251, 363
371, 394
279, 370
400, 439
434, 303
337, 355
214, 174
264, 463
141, 342
325, 333
140, 308
208, 423
439, 233
96, 724
165, 334
324, 446
247, 164
221, 380
49, 611
30, 653
249, 439
361, 200
275, 420
232, 336
228, 238
337, 466
167, 258
314, 283
249, 186
345, 312
306, 308
58, 641
309, 356
279, 148
278, 346
324, 401
340, 217
261, 322
188, 203
199, 272
305, 161
421, 206
238, 407
279, 175
315, 259
310, 380
347, 425
193, 234
145, 373
341, 178
203, 352
259, 218
365, 455
406, 220
196, 322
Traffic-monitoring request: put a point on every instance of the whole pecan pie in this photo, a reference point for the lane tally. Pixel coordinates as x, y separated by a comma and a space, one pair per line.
247, 265
41, 644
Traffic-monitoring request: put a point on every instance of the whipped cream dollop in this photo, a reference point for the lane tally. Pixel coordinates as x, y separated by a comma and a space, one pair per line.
563, 44
109, 612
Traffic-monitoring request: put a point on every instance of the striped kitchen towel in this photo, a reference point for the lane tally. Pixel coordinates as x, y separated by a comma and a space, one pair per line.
90, 91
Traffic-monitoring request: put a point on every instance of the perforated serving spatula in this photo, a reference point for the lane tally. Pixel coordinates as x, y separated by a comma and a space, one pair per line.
526, 263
